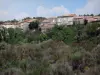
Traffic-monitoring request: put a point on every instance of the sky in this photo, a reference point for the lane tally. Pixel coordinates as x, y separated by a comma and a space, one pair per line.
18, 9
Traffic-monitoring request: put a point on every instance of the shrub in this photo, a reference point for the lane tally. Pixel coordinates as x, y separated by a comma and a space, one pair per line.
3, 34
93, 71
11, 35
96, 54
92, 29
61, 68
3, 45
61, 33
76, 56
42, 37
13, 71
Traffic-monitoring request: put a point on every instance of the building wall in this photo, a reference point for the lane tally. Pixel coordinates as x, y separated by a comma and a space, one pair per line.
47, 24
24, 26
9, 26
65, 21
78, 21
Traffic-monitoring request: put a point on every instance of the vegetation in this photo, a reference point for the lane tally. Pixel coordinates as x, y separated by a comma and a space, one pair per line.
12, 36
34, 25
61, 33
60, 51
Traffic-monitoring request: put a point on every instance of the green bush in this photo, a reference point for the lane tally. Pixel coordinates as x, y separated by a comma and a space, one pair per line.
13, 71
61, 33
96, 54
93, 71
62, 68
92, 29
12, 36
42, 37
76, 56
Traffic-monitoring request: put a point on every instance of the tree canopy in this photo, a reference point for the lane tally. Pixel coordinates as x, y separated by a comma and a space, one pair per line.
34, 25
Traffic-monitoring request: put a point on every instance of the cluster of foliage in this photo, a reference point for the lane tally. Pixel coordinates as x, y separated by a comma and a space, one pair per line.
93, 29
60, 51
48, 58
12, 36
62, 33
68, 35
34, 25
31, 59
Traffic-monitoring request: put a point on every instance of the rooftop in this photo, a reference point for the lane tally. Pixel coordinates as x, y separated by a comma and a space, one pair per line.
67, 15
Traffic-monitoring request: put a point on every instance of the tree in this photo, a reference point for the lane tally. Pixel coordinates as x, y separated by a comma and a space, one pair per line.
11, 35
84, 14
27, 18
92, 29
85, 22
14, 21
92, 14
61, 33
43, 37
15, 35
98, 15
1, 22
40, 29
78, 36
34, 25
3, 34
88, 15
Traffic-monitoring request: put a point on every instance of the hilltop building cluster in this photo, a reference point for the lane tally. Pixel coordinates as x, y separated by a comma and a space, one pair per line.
48, 23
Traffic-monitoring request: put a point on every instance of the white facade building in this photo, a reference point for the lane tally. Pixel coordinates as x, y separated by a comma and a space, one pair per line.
48, 24
24, 26
78, 20
9, 26
66, 19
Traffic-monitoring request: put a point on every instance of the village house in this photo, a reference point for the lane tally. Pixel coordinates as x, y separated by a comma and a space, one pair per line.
97, 18
66, 19
89, 18
29, 20
47, 24
78, 20
9, 26
24, 25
